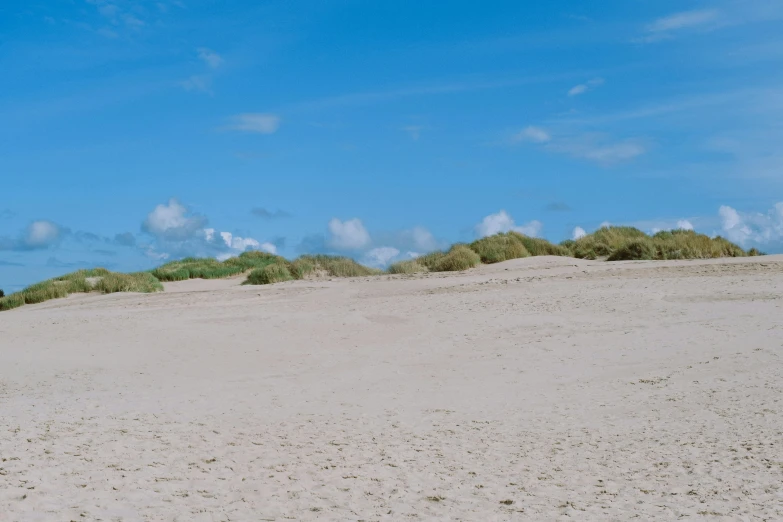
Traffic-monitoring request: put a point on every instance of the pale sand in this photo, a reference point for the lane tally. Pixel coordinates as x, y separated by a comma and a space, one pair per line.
538, 389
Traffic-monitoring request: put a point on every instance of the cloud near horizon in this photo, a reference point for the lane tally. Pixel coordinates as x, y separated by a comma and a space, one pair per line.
347, 235
503, 222
38, 235
753, 228
180, 233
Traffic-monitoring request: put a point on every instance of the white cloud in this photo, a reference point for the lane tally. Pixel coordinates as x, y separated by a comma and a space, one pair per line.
41, 234
532, 134
255, 122
348, 235
172, 222
578, 232
684, 224
380, 257
210, 57
605, 224
752, 228
503, 222
584, 87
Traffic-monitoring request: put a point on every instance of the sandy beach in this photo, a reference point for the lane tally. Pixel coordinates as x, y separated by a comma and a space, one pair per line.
537, 389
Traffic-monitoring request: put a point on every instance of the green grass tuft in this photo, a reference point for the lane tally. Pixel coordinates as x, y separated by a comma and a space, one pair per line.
273, 273
410, 266
459, 257
540, 247
500, 247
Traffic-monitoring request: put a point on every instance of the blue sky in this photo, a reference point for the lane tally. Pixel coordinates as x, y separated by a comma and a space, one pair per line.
138, 131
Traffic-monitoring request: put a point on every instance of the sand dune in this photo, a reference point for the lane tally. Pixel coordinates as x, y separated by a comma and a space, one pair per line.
536, 389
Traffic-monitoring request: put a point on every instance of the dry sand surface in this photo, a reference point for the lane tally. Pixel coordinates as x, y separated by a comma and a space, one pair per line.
537, 389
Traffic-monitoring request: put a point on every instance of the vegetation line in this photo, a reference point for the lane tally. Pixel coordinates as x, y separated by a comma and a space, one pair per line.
610, 243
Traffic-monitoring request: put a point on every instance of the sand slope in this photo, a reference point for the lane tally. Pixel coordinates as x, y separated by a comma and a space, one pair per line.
537, 389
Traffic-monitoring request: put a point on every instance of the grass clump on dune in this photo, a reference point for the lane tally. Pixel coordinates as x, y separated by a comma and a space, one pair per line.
604, 241
270, 274
674, 244
540, 247
458, 257
210, 268
335, 266
81, 281
500, 247
307, 266
410, 266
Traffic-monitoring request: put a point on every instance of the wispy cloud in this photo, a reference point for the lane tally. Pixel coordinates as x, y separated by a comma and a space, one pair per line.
666, 27
590, 146
582, 88
558, 206
414, 131
264, 213
254, 122
531, 134
210, 57
198, 82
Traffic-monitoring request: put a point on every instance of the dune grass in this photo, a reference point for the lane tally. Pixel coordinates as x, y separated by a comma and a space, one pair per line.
410, 266
628, 243
270, 274
458, 257
612, 243
500, 247
210, 268
81, 281
308, 266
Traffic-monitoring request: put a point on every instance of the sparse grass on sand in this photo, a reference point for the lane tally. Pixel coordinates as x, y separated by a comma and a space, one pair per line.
612, 243
81, 281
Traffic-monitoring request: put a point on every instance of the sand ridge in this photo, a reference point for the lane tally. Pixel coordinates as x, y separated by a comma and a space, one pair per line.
536, 389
